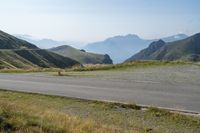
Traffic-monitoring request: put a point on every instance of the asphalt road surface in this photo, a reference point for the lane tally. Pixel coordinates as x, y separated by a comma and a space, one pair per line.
181, 96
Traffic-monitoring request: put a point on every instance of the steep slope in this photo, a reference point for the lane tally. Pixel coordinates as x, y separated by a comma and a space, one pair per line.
10, 42
81, 55
33, 58
16, 53
187, 49
122, 47
146, 53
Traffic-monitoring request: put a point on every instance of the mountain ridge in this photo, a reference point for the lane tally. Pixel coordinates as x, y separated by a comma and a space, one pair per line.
8, 41
127, 45
186, 49
17, 53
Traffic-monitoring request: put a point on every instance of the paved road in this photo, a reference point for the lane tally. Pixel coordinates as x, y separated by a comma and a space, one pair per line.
170, 95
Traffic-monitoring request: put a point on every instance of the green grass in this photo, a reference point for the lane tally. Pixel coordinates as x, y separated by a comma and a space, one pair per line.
99, 70
134, 64
26, 112
101, 67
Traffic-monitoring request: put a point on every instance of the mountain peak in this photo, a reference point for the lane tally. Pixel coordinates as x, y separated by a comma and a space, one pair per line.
185, 49
132, 36
125, 37
156, 44
160, 41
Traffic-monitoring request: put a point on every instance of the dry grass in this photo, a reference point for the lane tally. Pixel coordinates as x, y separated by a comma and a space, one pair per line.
22, 112
23, 118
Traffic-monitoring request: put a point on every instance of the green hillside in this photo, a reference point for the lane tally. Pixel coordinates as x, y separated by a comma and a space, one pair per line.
187, 49
16, 53
81, 55
33, 58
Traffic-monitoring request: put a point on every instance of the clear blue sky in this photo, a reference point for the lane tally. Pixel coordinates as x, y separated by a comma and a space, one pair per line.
92, 20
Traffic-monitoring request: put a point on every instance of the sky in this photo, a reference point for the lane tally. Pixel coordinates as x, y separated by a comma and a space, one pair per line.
94, 20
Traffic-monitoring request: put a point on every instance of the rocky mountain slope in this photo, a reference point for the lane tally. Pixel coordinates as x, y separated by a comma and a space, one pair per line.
186, 49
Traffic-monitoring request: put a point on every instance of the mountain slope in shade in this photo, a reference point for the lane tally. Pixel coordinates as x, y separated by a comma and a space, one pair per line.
81, 55
122, 47
146, 53
16, 53
33, 58
10, 42
186, 49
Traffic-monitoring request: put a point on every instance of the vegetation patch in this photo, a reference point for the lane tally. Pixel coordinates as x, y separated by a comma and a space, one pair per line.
82, 56
134, 64
97, 67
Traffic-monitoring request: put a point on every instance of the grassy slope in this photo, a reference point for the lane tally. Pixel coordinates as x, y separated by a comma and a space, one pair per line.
29, 59
146, 53
180, 50
21, 112
16, 53
80, 56
9, 59
187, 49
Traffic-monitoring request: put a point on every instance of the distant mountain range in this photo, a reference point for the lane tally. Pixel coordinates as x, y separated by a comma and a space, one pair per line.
122, 47
81, 55
118, 48
186, 49
46, 43
17, 53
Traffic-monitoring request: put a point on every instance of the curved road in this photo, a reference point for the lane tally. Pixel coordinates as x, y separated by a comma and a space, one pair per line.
170, 95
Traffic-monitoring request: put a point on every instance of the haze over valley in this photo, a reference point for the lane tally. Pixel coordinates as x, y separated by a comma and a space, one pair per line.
128, 45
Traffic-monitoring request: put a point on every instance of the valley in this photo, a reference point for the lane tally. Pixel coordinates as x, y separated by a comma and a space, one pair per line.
100, 66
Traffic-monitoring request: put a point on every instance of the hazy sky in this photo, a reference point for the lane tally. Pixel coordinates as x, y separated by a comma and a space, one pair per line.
92, 20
